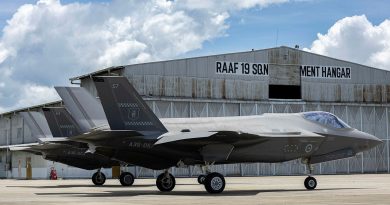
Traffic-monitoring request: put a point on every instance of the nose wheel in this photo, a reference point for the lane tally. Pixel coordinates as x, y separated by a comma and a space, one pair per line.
310, 183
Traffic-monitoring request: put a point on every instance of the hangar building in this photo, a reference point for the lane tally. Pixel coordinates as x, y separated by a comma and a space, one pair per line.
275, 80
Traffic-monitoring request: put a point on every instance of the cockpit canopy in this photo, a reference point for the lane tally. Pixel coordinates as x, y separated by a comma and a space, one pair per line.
326, 119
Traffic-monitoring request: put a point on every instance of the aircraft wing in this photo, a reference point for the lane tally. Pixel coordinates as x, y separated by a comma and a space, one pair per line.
225, 136
104, 135
18, 145
22, 147
218, 145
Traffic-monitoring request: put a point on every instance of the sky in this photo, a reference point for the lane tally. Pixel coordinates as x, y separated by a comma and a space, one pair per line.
43, 43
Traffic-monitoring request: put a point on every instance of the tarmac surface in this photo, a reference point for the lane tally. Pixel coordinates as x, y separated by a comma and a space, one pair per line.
331, 189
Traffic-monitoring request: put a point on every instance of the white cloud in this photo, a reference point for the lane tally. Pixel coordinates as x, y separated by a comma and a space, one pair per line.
44, 44
227, 5
356, 39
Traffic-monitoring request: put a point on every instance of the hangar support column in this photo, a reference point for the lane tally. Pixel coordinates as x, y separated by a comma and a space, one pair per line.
388, 140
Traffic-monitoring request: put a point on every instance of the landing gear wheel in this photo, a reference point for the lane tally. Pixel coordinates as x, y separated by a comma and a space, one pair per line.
201, 179
165, 182
126, 179
98, 178
310, 183
214, 183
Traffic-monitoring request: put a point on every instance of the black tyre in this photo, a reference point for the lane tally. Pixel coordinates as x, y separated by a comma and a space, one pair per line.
214, 183
201, 179
126, 179
98, 178
310, 183
165, 184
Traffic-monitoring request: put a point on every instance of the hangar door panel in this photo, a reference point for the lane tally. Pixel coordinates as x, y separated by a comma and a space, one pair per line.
284, 82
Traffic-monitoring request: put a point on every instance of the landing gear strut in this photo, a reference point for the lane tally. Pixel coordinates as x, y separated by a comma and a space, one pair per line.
310, 182
165, 182
98, 178
126, 179
213, 182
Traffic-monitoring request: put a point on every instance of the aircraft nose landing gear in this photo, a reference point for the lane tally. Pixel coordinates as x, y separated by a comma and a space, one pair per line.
98, 178
165, 182
310, 183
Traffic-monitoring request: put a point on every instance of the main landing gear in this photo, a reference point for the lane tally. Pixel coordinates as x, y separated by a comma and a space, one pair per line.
213, 182
98, 178
310, 182
165, 182
126, 179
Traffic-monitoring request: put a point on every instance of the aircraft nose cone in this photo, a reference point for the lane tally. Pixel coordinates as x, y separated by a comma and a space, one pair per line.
368, 141
374, 141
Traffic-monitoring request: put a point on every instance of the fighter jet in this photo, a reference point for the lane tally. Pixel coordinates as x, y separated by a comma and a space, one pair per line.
138, 137
59, 124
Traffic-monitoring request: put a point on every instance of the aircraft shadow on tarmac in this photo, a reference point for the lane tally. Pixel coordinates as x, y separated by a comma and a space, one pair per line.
129, 193
86, 186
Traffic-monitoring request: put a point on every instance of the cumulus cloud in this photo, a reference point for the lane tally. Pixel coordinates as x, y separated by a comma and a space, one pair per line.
44, 44
356, 39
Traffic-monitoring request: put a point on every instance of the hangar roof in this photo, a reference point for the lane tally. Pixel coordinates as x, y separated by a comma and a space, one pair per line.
114, 69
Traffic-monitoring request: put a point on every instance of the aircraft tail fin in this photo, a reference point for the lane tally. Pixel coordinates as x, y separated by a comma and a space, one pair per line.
37, 124
61, 122
124, 107
85, 109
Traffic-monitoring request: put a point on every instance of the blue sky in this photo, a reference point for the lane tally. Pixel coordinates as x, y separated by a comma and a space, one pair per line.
295, 22
46, 42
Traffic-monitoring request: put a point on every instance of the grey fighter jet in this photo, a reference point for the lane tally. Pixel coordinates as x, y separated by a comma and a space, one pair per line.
59, 124
137, 136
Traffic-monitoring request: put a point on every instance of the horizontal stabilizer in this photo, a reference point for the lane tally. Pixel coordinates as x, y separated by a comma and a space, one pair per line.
20, 148
18, 145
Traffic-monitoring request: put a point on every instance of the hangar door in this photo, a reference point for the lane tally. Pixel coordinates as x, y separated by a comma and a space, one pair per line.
284, 74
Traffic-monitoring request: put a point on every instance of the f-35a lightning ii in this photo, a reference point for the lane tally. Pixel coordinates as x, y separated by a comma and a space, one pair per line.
56, 123
138, 137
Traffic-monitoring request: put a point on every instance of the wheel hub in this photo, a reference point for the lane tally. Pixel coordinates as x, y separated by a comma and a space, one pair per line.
127, 179
166, 182
216, 183
311, 183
